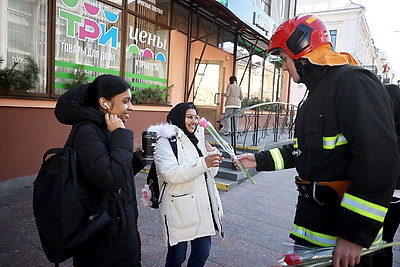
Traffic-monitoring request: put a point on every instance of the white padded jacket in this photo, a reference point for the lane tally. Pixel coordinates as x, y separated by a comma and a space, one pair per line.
190, 204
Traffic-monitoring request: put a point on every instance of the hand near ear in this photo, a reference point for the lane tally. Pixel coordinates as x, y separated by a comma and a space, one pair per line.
113, 122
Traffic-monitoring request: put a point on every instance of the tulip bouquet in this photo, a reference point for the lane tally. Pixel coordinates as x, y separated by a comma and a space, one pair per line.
225, 146
319, 257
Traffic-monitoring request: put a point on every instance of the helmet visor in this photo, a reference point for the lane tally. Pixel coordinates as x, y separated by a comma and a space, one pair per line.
273, 56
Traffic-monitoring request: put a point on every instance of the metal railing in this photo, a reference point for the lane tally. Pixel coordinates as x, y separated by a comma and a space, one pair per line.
261, 123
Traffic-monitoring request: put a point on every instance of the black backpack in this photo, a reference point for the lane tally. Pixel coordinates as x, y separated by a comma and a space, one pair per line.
152, 178
66, 214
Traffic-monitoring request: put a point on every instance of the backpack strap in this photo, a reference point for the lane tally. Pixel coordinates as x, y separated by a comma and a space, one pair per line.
172, 142
51, 151
71, 137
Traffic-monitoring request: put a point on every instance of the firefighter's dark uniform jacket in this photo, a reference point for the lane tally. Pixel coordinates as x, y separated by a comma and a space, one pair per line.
343, 131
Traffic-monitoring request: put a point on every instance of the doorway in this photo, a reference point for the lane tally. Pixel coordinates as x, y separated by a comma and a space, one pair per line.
208, 88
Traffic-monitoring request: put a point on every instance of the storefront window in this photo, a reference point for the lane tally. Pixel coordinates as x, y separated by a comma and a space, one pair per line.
227, 41
268, 81
146, 54
207, 31
243, 56
88, 40
119, 2
157, 10
180, 18
256, 86
243, 76
23, 32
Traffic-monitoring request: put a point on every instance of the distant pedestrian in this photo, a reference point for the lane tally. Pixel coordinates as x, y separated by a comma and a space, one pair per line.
190, 206
392, 219
233, 103
107, 165
345, 148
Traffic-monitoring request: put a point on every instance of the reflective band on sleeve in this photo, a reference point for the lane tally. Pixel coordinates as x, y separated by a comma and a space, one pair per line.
333, 141
295, 143
363, 207
319, 239
378, 238
277, 157
323, 240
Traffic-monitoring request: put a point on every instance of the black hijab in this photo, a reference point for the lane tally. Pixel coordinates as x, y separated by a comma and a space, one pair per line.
177, 117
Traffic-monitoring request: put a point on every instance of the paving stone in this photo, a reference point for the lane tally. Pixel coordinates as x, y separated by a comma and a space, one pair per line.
257, 222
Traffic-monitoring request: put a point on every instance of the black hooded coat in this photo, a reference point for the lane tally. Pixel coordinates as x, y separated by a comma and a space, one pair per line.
394, 93
107, 164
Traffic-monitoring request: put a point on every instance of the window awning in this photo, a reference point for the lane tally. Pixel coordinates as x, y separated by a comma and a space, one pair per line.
224, 17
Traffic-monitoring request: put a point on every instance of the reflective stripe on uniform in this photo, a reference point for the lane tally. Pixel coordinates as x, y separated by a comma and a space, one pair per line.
323, 240
363, 207
319, 239
378, 238
331, 142
277, 157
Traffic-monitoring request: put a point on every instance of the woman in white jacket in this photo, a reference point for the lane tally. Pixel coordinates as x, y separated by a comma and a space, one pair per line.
190, 208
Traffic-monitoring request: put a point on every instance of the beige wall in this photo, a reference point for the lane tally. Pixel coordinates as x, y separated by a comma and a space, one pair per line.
29, 128
176, 67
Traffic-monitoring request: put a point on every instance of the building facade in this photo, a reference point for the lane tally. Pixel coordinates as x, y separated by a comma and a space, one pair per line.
189, 47
349, 32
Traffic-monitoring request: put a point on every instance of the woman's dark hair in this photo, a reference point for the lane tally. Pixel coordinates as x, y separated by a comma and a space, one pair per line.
232, 79
106, 86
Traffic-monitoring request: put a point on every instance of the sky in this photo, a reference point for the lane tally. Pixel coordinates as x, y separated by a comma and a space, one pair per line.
383, 19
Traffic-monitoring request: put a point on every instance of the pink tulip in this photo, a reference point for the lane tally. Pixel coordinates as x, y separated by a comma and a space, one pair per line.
293, 259
203, 122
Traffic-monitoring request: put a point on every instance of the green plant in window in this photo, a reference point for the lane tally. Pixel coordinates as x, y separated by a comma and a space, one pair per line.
247, 102
14, 79
151, 95
79, 78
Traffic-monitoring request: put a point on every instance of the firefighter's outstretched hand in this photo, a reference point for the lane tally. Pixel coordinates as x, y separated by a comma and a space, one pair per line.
248, 160
346, 254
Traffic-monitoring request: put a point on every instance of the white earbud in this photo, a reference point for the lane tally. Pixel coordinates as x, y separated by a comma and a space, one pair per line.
107, 105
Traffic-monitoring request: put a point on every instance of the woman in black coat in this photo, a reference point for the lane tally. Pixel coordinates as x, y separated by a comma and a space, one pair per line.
107, 166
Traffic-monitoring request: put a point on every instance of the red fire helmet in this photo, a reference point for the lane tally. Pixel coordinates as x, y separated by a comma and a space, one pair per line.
299, 35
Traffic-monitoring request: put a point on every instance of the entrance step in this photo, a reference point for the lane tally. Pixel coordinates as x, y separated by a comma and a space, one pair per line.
225, 184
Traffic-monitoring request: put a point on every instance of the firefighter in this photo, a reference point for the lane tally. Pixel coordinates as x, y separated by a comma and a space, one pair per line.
344, 148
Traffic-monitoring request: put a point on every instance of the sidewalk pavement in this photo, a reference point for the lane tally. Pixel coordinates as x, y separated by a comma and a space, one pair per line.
257, 222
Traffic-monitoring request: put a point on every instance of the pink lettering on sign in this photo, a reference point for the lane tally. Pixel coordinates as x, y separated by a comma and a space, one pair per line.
89, 30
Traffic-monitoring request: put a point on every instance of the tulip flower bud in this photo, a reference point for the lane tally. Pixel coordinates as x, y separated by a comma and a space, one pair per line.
203, 122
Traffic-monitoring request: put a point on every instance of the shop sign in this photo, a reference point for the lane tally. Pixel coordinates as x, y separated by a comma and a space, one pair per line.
253, 16
91, 36
86, 29
150, 40
150, 4
224, 2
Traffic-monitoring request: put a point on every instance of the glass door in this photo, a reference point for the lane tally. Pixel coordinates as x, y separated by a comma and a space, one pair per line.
208, 88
